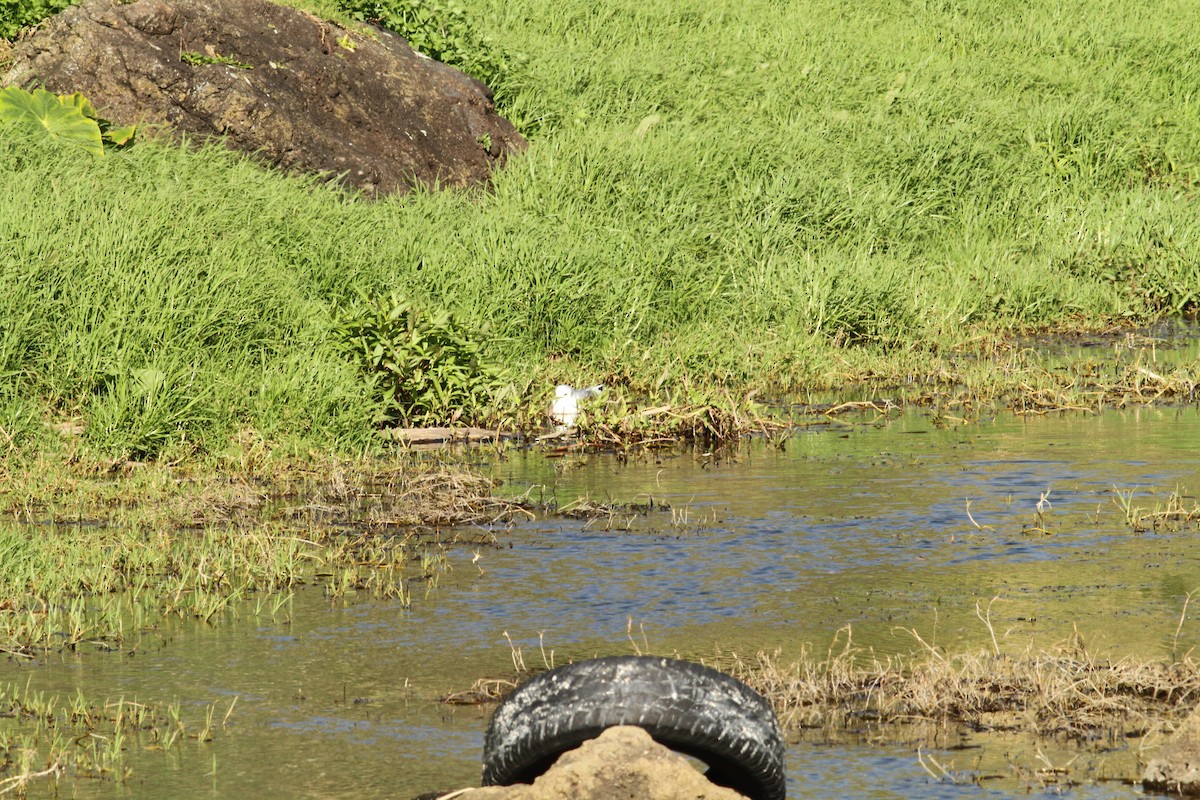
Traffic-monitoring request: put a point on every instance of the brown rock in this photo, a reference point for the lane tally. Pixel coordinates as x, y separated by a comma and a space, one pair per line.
623, 763
300, 92
1176, 770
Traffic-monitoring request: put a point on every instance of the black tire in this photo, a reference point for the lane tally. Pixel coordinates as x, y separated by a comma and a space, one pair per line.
684, 706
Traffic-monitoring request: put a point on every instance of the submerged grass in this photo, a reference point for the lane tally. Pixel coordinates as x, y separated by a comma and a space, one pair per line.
97, 553
1170, 516
51, 737
98, 557
719, 197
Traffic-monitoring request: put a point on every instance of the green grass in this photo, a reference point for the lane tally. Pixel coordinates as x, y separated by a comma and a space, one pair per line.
53, 737
721, 194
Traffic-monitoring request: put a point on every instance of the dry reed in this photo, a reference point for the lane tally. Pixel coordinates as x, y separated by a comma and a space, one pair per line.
1061, 691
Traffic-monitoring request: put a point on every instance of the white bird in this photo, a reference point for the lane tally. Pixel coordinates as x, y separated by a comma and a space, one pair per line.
565, 408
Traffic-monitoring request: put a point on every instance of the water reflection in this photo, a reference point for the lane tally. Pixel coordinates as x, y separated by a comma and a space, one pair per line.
873, 528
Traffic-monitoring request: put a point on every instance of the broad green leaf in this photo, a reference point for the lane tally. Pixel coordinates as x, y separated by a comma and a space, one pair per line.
80, 102
148, 381
119, 137
42, 112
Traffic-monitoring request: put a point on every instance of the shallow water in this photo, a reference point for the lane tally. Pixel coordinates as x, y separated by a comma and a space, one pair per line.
858, 527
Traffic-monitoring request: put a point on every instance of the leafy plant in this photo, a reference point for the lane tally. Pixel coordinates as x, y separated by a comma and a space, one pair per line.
68, 118
427, 367
441, 30
18, 14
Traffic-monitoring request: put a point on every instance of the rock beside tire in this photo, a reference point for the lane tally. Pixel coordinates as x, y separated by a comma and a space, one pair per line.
622, 762
684, 706
1176, 769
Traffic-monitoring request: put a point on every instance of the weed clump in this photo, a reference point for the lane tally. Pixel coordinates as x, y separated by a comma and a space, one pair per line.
18, 14
426, 368
1061, 691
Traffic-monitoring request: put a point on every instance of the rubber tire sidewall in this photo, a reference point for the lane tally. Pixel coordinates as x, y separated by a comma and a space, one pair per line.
683, 705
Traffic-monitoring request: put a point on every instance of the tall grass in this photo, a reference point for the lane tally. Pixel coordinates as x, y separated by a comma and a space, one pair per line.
749, 193
135, 294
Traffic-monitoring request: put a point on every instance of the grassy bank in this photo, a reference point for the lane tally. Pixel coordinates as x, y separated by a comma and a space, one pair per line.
719, 198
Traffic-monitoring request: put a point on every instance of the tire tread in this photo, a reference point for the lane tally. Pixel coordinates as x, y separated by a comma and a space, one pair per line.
681, 704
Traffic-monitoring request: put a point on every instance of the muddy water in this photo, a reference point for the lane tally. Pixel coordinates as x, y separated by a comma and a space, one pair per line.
881, 527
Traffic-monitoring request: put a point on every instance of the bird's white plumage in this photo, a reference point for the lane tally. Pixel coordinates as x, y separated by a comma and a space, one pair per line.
565, 408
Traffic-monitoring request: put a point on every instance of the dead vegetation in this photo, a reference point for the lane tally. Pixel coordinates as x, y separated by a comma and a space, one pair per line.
1117, 369
620, 424
376, 494
482, 692
1063, 691
1092, 387
408, 498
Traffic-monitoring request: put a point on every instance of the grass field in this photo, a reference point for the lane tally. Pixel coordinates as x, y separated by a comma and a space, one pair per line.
719, 196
